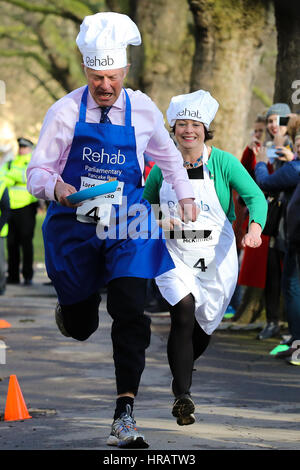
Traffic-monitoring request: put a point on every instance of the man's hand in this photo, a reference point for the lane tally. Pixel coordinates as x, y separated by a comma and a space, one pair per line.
61, 191
188, 210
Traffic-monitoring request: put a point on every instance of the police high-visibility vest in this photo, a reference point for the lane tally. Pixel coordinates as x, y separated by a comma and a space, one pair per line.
16, 180
4, 230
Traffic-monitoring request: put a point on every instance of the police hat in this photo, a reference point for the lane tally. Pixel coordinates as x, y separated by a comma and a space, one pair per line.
24, 142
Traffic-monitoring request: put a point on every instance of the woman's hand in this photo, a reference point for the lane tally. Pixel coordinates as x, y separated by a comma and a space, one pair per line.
287, 156
61, 191
169, 223
188, 210
253, 237
261, 155
254, 145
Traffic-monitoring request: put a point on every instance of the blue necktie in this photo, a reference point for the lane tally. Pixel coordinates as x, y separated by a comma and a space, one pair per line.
104, 112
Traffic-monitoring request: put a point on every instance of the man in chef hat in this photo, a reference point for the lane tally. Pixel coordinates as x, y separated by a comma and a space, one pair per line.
80, 138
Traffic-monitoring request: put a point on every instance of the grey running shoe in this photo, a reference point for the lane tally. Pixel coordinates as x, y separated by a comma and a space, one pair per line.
125, 434
183, 409
59, 321
271, 330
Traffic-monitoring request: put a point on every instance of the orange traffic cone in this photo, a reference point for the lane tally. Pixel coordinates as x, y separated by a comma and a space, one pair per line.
4, 324
15, 409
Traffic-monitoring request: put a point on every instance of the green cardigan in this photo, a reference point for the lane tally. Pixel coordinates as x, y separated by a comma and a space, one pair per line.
228, 173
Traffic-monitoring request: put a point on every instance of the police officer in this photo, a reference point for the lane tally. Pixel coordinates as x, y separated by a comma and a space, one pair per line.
22, 216
4, 213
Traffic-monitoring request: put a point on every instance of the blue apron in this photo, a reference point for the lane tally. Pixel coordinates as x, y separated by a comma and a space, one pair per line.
78, 262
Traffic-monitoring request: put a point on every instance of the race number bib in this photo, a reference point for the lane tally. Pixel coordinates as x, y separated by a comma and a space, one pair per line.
202, 263
198, 252
98, 209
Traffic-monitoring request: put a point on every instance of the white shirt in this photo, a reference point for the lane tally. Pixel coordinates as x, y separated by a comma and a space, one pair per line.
56, 136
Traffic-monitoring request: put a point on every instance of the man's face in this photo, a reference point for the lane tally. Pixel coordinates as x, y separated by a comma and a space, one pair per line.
105, 85
24, 150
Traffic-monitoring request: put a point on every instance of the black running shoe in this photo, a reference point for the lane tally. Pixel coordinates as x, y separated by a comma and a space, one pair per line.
183, 409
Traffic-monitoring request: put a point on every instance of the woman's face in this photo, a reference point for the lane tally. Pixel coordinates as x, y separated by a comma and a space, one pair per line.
259, 128
272, 126
189, 134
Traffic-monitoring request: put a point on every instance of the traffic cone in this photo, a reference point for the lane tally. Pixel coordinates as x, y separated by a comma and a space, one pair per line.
4, 324
15, 409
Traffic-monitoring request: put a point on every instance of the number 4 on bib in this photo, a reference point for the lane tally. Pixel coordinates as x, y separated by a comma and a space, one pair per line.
201, 264
94, 213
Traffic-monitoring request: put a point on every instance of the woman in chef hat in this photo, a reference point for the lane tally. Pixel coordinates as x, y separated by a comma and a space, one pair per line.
202, 283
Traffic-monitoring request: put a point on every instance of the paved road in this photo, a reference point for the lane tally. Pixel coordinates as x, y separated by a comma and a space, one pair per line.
245, 398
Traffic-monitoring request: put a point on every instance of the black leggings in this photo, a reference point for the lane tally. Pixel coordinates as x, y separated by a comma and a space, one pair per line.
186, 342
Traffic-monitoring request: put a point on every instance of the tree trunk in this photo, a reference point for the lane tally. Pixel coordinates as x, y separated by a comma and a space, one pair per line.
229, 44
287, 90
165, 59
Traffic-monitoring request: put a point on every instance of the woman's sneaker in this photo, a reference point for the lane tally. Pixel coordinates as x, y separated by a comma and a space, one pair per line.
125, 434
183, 409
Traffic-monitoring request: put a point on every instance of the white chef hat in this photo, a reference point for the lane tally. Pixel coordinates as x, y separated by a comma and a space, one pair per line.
198, 106
103, 39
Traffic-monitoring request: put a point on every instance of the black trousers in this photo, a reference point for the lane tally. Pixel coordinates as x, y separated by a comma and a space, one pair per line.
21, 225
130, 331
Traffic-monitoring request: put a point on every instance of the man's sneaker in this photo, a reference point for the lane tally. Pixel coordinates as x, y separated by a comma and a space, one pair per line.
183, 409
59, 321
125, 434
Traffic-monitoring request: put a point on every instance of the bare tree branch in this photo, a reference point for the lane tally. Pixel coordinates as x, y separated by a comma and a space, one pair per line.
26, 55
42, 83
15, 33
79, 9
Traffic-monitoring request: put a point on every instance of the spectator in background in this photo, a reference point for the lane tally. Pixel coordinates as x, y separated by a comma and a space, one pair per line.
248, 157
268, 275
240, 225
293, 209
4, 213
286, 178
293, 130
297, 146
22, 216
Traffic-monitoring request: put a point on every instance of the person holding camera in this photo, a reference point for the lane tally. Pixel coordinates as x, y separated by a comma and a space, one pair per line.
268, 277
285, 179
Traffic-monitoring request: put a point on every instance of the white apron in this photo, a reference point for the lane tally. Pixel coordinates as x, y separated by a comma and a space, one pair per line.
206, 266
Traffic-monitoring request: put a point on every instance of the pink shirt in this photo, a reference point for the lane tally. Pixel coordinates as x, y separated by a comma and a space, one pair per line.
56, 136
